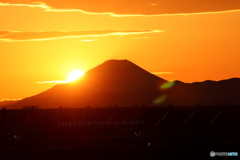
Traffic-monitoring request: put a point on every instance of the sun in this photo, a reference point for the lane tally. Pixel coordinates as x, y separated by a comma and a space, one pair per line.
74, 75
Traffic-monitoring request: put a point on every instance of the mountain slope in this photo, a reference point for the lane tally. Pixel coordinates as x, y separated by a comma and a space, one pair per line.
207, 92
122, 83
106, 85
8, 102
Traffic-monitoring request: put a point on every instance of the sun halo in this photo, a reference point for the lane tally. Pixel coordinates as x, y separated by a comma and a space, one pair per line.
74, 75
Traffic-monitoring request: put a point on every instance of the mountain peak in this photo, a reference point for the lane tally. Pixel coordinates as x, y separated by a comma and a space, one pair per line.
108, 83
118, 62
122, 75
114, 65
125, 83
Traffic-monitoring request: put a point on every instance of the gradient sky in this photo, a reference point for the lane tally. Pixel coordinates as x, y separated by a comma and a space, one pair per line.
183, 40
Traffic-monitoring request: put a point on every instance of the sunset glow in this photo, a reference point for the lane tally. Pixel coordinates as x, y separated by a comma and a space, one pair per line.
175, 40
74, 75
119, 79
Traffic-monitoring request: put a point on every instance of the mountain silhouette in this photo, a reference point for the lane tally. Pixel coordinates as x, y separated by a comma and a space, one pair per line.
123, 83
207, 92
110, 83
8, 102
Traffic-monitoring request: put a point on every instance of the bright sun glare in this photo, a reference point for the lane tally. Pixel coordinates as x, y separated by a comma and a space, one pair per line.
74, 75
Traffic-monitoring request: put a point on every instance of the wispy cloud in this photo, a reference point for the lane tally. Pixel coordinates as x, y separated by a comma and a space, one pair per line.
2, 100
53, 82
145, 8
143, 38
10, 36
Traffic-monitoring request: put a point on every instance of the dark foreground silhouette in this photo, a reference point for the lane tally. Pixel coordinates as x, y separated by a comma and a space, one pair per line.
145, 133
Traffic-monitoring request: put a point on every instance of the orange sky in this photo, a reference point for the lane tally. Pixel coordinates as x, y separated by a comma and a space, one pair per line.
45, 40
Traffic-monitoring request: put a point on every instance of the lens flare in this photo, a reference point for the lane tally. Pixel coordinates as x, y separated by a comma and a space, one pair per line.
167, 85
160, 99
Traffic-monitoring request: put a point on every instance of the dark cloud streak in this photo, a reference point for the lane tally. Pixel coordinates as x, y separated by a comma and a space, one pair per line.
136, 7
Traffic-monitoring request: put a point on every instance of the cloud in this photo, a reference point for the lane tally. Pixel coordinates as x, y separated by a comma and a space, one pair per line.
131, 7
53, 82
143, 38
10, 36
3, 100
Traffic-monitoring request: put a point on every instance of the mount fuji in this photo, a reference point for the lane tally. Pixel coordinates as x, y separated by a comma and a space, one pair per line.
123, 83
